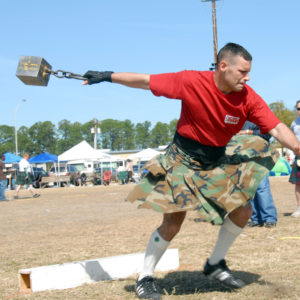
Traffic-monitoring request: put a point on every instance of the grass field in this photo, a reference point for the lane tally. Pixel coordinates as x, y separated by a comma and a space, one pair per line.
75, 224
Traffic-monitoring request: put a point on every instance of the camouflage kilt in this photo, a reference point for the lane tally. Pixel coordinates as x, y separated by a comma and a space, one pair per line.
176, 182
23, 178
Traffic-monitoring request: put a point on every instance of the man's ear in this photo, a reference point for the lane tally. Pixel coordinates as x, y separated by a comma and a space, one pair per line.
223, 65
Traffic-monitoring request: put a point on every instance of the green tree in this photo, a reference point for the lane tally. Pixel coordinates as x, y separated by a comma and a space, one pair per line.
69, 135
7, 139
87, 134
127, 135
159, 135
111, 134
43, 138
172, 129
25, 144
142, 135
285, 115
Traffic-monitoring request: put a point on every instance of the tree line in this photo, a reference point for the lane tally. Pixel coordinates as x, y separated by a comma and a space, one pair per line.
115, 135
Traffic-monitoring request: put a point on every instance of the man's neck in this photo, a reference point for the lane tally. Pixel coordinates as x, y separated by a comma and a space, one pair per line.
218, 82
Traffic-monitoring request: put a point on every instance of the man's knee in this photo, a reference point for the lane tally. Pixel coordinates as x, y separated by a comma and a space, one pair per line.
241, 215
171, 225
246, 211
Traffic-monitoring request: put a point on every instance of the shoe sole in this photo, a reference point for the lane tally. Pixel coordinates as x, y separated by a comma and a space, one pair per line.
222, 283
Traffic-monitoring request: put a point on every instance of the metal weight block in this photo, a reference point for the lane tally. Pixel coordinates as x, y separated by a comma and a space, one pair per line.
33, 70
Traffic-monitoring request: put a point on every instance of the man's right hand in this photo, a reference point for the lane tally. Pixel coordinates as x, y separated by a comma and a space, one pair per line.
97, 77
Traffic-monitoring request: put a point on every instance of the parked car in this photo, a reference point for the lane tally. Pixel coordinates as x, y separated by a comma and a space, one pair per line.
65, 170
38, 173
86, 167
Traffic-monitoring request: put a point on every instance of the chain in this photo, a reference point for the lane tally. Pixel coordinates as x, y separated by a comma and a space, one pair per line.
65, 74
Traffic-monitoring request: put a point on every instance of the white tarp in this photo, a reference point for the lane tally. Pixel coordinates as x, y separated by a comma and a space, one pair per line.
83, 151
144, 155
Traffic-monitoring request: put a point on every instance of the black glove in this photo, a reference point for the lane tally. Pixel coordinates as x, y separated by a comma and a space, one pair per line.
97, 77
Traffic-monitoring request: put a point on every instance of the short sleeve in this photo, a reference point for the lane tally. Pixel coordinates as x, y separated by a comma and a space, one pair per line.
168, 85
260, 114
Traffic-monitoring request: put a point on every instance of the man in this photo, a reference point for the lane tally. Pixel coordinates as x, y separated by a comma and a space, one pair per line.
129, 169
295, 175
3, 180
195, 172
25, 177
264, 210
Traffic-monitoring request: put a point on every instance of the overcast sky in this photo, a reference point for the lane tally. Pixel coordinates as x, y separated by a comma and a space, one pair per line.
138, 36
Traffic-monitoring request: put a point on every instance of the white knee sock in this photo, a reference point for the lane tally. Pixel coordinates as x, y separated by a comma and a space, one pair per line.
227, 234
155, 249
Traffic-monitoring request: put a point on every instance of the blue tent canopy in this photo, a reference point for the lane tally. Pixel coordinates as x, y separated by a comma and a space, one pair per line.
11, 158
43, 158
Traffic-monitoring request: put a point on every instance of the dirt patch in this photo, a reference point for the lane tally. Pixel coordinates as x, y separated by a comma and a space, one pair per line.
74, 224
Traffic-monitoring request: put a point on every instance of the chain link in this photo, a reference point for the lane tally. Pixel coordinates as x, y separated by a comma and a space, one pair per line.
66, 74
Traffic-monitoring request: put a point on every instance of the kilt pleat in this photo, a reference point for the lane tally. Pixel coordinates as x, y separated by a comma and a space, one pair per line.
177, 182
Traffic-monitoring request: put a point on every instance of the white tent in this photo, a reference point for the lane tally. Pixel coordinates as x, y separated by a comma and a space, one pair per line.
144, 155
83, 151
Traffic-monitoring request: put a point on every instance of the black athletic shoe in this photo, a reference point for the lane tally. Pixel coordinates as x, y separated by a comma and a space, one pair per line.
221, 273
145, 289
254, 224
270, 224
36, 195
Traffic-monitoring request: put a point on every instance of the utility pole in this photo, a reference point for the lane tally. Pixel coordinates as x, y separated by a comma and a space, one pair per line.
95, 135
95, 130
215, 34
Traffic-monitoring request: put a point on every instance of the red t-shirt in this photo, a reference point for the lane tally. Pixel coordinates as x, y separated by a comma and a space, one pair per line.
209, 116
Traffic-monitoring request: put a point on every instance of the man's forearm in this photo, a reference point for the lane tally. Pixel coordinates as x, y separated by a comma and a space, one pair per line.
134, 80
286, 137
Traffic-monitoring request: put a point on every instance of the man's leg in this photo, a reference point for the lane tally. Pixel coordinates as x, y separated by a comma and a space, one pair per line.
296, 214
32, 190
267, 209
160, 240
216, 266
255, 217
2, 190
17, 191
158, 244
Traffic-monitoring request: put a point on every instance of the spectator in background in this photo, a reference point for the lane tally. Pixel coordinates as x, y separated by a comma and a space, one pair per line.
3, 180
25, 177
290, 156
295, 175
129, 169
264, 210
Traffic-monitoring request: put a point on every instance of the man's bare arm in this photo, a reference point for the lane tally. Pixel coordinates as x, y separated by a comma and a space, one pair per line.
286, 137
134, 80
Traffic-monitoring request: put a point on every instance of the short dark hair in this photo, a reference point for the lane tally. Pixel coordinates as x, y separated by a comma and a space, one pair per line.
233, 50
297, 102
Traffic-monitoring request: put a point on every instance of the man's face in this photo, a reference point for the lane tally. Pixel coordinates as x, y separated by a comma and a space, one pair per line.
236, 73
298, 108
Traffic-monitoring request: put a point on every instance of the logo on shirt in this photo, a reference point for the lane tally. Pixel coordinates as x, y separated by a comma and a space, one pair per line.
231, 119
